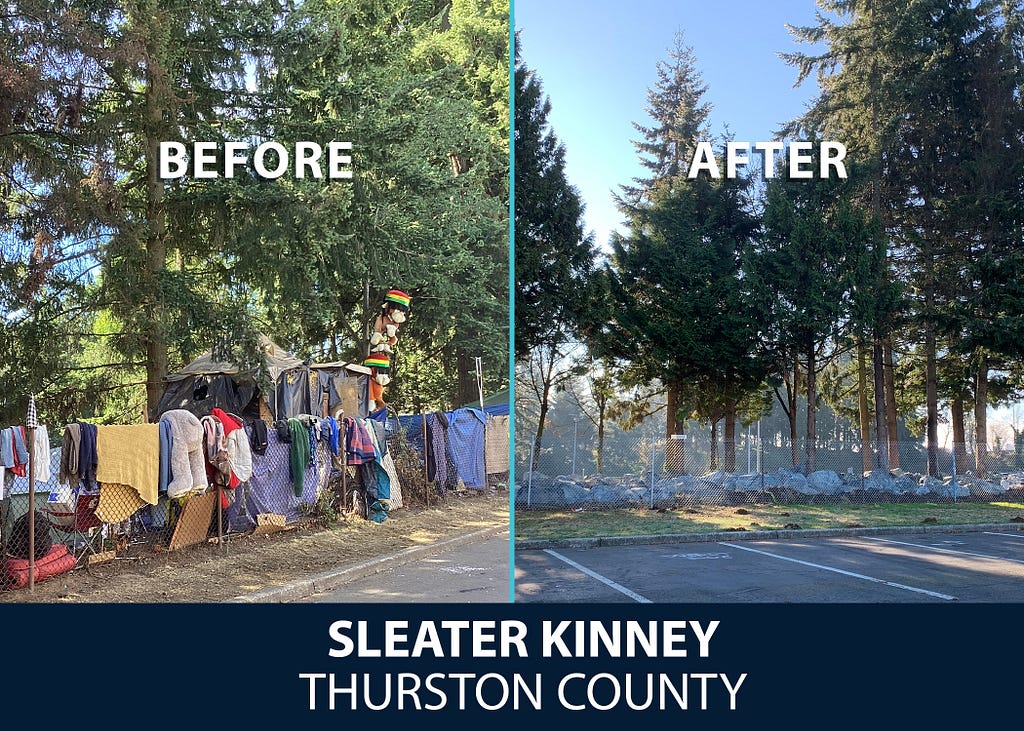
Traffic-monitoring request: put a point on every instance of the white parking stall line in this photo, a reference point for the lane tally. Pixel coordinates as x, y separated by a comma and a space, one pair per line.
945, 550
844, 572
1018, 536
603, 579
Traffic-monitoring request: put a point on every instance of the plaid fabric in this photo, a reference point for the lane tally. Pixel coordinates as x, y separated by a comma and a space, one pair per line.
358, 445
31, 421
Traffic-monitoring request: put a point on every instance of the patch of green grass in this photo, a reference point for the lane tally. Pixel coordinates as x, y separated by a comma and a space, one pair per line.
555, 524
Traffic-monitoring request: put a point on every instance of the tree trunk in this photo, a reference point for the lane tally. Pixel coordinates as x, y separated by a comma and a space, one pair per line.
931, 401
981, 418
600, 441
156, 237
466, 386
793, 396
865, 414
956, 413
881, 430
812, 396
675, 451
713, 463
890, 404
538, 436
730, 436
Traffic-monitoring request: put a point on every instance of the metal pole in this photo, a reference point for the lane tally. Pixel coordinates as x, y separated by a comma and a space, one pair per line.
480, 379
529, 484
954, 472
575, 437
426, 473
759, 445
30, 426
654, 446
748, 449
480, 390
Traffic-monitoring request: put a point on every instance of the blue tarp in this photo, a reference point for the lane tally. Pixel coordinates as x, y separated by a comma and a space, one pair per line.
465, 441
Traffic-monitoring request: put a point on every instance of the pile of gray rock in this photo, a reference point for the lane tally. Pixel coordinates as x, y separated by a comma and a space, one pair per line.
543, 491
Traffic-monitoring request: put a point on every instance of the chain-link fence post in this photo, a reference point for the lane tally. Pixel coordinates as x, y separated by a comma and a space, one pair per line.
654, 447
953, 453
575, 441
529, 481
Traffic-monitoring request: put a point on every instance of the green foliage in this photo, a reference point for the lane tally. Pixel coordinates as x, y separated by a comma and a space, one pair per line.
556, 285
87, 231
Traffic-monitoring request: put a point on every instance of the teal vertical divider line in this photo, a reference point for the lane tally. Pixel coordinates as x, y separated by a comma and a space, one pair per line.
511, 301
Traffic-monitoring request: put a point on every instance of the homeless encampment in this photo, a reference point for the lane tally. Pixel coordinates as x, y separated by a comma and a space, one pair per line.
296, 387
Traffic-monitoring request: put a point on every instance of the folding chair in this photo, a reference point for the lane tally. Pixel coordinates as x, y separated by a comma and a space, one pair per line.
72, 515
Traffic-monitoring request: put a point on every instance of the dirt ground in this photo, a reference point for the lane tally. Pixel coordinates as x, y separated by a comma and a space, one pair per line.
210, 573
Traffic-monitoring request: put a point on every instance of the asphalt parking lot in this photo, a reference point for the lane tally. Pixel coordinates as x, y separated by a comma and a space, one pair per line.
982, 566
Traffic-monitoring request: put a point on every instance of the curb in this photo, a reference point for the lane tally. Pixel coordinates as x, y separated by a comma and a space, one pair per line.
754, 535
330, 580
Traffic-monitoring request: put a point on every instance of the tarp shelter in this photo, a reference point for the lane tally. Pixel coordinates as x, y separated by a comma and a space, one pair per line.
472, 443
496, 404
298, 387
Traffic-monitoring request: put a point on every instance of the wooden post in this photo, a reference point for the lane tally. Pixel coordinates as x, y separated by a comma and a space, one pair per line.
343, 456
480, 391
220, 515
426, 474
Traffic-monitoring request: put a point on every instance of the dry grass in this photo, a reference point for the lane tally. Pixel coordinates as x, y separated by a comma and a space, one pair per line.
210, 573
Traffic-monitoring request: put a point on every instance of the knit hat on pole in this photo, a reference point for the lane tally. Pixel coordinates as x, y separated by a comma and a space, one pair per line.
379, 361
399, 299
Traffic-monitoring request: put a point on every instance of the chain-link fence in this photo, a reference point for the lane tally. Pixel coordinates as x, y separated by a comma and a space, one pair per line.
116, 494
459, 450
652, 471
116, 498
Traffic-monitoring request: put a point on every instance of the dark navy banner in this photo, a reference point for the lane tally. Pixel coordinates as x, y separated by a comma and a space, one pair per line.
708, 666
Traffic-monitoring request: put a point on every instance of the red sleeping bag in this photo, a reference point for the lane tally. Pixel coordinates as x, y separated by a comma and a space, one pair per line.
58, 561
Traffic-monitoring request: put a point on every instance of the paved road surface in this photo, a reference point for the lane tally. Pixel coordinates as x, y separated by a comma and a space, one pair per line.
965, 567
477, 572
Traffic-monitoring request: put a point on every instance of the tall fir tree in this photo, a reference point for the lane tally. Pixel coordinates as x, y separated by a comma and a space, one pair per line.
555, 296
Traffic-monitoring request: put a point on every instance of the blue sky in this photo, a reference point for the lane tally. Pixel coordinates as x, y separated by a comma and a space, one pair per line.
597, 59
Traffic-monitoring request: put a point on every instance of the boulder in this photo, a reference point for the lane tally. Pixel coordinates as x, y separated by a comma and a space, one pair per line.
747, 483
825, 482
795, 481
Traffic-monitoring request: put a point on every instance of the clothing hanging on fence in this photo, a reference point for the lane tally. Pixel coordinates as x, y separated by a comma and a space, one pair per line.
299, 454
188, 456
466, 446
329, 431
382, 477
67, 472
387, 464
215, 448
257, 430
41, 454
236, 445
166, 449
129, 455
440, 465
13, 452
496, 444
358, 447
118, 502
87, 457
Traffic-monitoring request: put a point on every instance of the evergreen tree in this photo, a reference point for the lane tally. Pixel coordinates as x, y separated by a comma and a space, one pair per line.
557, 294
682, 313
806, 264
